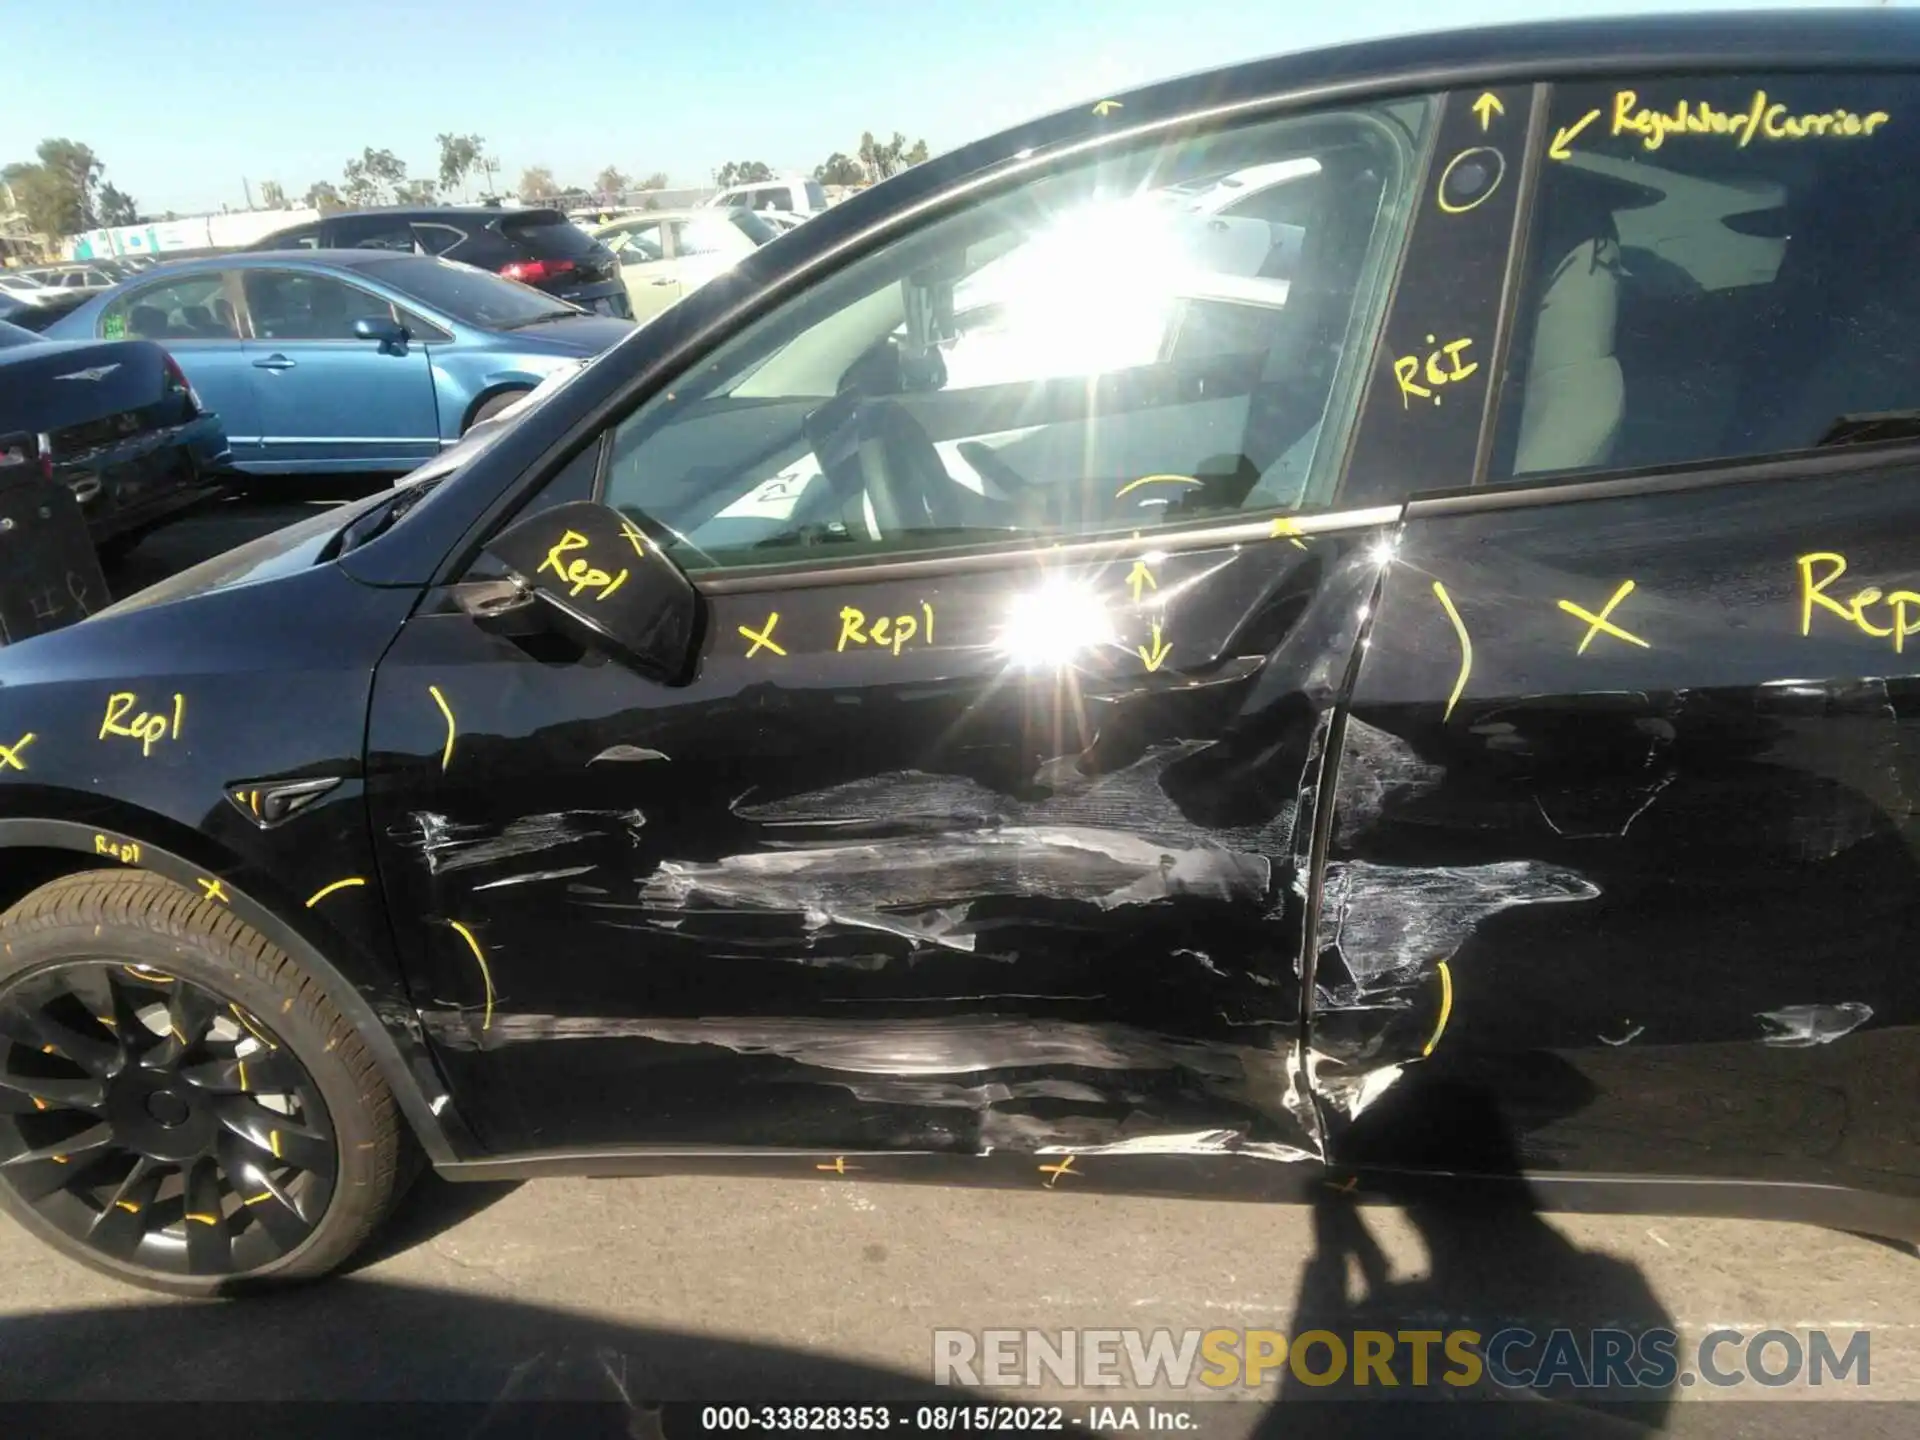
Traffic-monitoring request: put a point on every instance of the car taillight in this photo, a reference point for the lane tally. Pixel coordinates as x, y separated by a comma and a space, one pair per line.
532, 272
179, 381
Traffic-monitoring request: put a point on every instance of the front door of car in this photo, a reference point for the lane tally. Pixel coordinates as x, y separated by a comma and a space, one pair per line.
980, 819
1623, 879
326, 396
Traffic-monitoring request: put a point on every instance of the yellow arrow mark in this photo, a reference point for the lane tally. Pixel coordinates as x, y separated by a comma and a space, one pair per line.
1488, 106
1564, 136
1106, 107
1140, 575
1289, 529
1160, 650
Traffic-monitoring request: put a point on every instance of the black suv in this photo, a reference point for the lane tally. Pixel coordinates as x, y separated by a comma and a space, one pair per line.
541, 248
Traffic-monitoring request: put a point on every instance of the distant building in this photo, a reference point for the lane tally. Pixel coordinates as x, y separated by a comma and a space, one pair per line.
231, 231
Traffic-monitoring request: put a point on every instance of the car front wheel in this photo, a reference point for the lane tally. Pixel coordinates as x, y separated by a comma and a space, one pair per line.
181, 1106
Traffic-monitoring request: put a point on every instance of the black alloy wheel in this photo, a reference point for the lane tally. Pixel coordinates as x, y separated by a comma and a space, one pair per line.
155, 1122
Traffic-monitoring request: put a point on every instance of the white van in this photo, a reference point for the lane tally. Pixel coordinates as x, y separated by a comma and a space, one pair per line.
797, 196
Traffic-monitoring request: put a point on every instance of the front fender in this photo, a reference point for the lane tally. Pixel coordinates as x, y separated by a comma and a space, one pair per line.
154, 736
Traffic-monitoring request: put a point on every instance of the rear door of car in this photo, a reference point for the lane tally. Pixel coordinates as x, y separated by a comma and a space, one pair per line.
195, 316
985, 825
1623, 874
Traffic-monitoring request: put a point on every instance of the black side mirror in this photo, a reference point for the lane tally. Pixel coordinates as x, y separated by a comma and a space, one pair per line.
599, 580
383, 328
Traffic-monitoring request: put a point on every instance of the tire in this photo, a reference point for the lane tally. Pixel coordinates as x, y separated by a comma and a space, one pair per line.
492, 406
169, 1071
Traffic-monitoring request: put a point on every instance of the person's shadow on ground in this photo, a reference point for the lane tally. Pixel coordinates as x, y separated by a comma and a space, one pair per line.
1495, 1268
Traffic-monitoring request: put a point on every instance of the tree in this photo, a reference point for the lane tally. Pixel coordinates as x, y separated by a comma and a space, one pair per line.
272, 195
59, 192
882, 158
537, 182
80, 169
460, 156
656, 181
373, 178
46, 201
610, 181
742, 172
839, 169
322, 196
415, 192
116, 206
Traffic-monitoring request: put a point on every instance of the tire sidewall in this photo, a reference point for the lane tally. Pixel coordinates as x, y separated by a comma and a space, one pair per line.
205, 961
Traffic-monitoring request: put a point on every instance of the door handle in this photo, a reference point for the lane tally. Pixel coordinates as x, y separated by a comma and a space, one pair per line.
275, 362
665, 282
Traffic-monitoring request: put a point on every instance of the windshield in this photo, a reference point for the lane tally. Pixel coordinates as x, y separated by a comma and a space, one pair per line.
462, 293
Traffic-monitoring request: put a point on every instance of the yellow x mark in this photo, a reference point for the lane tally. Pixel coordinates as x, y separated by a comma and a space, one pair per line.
10, 754
1054, 1172
1597, 623
763, 637
215, 891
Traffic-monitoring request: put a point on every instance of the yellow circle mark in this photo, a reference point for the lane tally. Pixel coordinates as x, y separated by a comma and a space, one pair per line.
1499, 174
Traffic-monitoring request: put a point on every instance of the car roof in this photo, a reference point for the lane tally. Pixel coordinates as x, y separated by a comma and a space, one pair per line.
254, 259
433, 212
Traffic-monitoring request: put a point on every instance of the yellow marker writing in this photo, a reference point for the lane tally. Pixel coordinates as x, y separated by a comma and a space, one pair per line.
1598, 623
1409, 373
146, 727
10, 754
581, 573
763, 637
886, 632
1905, 604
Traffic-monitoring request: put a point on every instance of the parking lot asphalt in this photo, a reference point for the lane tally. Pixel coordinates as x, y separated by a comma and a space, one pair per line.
723, 1290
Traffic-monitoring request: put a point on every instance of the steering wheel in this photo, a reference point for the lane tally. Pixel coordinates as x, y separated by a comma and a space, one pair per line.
906, 484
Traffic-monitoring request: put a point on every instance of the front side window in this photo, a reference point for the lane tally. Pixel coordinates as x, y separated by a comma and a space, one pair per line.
297, 305
189, 307
1086, 354
637, 244
1719, 267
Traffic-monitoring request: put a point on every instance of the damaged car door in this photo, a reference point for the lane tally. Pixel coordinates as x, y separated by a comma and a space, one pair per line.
977, 821
1623, 876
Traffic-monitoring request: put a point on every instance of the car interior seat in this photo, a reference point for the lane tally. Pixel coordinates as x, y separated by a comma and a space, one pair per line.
147, 322
1574, 395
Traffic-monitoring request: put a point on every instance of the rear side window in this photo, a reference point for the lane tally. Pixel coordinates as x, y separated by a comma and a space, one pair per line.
816, 197
1719, 268
190, 307
547, 235
436, 239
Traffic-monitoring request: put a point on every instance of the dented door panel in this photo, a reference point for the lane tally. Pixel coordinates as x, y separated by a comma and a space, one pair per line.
1010, 858
1624, 862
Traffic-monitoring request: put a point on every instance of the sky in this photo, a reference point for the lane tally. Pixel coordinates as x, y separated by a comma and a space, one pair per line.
201, 98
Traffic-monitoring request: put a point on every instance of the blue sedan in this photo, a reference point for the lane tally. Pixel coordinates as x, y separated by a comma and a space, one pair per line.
333, 360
